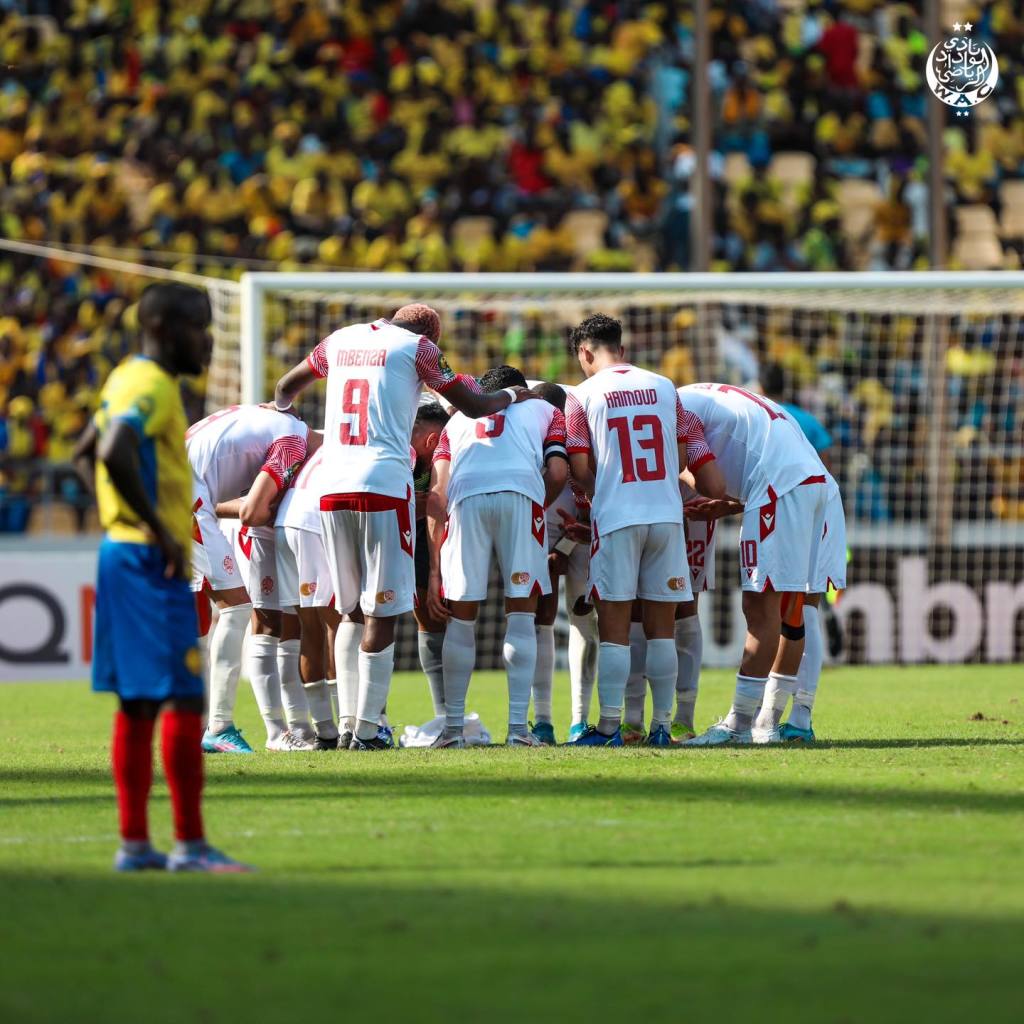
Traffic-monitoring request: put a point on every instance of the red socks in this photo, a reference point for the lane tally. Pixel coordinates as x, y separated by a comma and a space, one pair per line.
180, 736
132, 762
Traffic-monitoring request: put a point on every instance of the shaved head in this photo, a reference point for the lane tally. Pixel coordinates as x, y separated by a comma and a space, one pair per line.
419, 317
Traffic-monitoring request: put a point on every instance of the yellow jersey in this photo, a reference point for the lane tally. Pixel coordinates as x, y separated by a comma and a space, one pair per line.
144, 395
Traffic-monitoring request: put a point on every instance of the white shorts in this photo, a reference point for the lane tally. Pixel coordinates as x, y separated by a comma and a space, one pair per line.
256, 553
780, 541
370, 548
700, 554
304, 577
214, 564
647, 561
510, 524
829, 566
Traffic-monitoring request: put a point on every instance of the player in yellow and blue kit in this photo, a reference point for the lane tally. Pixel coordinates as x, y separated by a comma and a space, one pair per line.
145, 647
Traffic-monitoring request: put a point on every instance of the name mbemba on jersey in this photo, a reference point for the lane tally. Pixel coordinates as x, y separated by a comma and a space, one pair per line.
361, 357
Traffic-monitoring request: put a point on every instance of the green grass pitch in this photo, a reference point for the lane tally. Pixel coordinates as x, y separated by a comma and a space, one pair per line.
875, 877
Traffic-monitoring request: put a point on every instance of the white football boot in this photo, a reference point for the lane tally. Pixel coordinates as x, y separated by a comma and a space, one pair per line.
289, 743
718, 735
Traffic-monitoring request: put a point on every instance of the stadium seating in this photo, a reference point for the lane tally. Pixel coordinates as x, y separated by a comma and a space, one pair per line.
464, 135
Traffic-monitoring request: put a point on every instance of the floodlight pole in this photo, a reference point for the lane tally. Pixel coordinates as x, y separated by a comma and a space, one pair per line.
701, 213
936, 172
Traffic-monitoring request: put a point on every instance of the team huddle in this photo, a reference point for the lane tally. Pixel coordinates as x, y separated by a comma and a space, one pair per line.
320, 539
421, 477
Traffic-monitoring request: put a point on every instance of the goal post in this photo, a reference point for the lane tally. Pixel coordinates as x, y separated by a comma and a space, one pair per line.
917, 376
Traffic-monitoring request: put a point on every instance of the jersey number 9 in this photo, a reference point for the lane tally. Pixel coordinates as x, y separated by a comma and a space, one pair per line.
355, 401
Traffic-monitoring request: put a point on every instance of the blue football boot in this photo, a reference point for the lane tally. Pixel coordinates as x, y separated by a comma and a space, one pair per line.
593, 738
142, 860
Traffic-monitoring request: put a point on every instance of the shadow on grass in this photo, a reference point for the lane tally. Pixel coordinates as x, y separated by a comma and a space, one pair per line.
453, 778
908, 744
165, 948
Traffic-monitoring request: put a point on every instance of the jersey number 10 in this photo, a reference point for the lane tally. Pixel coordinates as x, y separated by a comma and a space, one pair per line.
654, 442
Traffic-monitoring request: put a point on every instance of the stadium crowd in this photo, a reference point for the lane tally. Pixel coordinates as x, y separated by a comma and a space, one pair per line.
449, 134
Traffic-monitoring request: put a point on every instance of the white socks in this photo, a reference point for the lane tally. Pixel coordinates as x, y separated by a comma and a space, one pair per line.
612, 673
375, 671
346, 664
318, 697
745, 702
293, 696
266, 684
582, 663
430, 646
661, 668
459, 657
636, 684
225, 653
520, 656
776, 696
809, 672
544, 673
689, 653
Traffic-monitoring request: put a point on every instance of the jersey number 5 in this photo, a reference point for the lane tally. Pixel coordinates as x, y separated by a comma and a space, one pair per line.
355, 400
491, 426
654, 442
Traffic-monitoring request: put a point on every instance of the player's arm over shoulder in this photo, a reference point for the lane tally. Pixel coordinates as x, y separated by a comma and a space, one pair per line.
434, 371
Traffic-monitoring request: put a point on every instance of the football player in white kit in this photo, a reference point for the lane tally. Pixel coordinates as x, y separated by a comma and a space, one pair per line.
700, 554
374, 376
304, 587
569, 558
236, 450
792, 536
491, 481
627, 445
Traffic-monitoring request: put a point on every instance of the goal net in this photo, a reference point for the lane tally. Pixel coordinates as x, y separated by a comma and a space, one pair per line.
918, 378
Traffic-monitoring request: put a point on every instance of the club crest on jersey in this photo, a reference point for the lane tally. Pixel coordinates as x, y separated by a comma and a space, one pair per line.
229, 565
267, 585
307, 589
385, 596
520, 579
676, 583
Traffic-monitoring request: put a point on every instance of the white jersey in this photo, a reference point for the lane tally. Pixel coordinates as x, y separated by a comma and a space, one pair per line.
374, 376
229, 448
630, 422
503, 452
300, 506
758, 446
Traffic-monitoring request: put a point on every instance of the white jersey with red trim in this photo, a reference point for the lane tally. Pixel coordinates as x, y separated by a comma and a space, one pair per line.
630, 422
374, 376
300, 506
503, 452
757, 444
229, 449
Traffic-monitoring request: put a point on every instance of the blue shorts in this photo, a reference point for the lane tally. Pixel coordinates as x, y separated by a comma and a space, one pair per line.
145, 646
